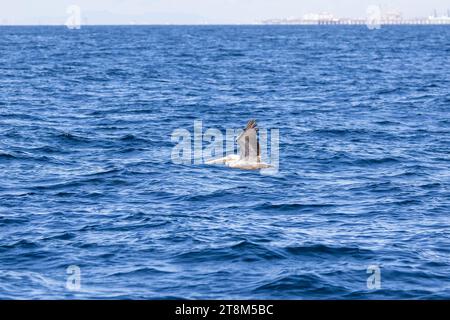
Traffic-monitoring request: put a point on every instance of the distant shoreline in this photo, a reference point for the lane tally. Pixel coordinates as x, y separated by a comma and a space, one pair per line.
229, 25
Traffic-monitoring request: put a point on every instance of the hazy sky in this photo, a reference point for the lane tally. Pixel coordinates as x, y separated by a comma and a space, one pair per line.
200, 11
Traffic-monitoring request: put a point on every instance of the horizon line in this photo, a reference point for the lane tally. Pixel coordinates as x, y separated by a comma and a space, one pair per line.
216, 24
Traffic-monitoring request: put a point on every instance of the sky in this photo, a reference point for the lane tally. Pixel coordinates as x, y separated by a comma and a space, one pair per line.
201, 11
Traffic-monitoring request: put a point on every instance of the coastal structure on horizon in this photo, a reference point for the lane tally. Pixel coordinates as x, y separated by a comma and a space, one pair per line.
388, 18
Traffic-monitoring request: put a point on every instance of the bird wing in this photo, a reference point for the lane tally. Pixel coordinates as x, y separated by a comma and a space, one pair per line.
248, 143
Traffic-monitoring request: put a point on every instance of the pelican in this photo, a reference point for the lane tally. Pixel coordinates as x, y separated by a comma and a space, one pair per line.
249, 157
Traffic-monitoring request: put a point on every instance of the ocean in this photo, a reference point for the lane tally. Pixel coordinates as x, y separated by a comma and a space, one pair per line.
92, 206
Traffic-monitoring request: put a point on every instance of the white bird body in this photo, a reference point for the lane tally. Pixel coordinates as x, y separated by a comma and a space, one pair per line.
249, 156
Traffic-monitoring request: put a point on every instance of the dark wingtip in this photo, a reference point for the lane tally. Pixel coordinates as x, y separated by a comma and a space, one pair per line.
251, 124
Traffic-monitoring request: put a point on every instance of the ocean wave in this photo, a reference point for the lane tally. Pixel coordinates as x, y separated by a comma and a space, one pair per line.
7, 156
140, 272
215, 194
319, 249
301, 287
243, 251
292, 206
376, 161
61, 236
115, 181
17, 283
133, 138
8, 221
342, 132
20, 244
70, 137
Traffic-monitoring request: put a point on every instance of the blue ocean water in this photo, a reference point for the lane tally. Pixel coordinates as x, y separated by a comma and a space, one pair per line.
86, 118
